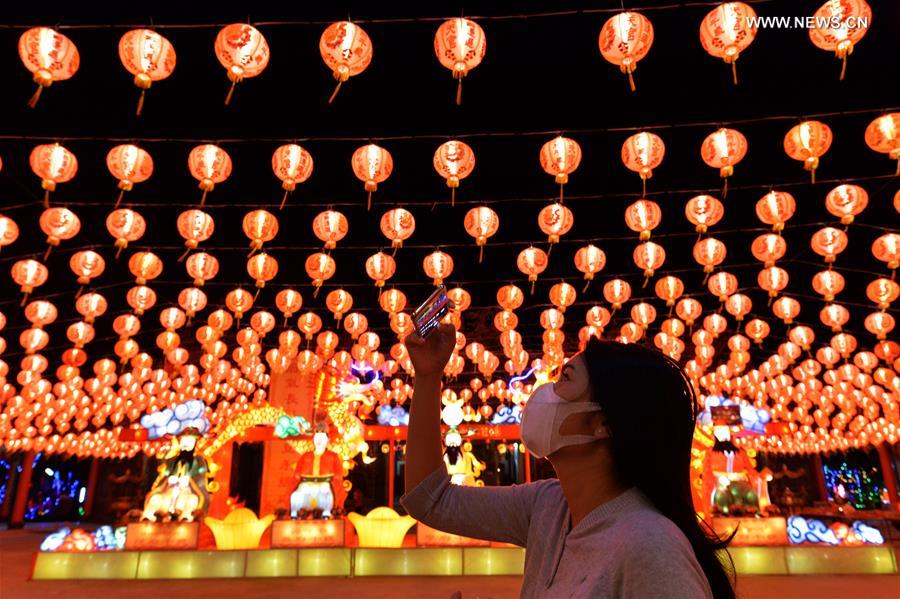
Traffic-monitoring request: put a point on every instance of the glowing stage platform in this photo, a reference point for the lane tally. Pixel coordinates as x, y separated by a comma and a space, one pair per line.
420, 561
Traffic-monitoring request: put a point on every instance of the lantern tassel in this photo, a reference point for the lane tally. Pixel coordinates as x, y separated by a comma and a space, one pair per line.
725, 188
316, 292
586, 285
230, 93
369, 202
203, 198
32, 102
844, 67
119, 199
549, 249
480, 253
337, 88
256, 295
283, 200
734, 71
459, 92
184, 255
119, 251
80, 291
452, 197
140, 104
46, 198
646, 280
532, 286
24, 299
812, 175
47, 253
631, 81
643, 186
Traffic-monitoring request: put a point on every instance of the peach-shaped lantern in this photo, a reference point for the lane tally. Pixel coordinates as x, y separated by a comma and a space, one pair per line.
145, 266
209, 164
768, 248
828, 242
563, 295
625, 39
723, 149
838, 25
330, 226
728, 30
346, 50
828, 283
808, 142
643, 152
239, 301
380, 267
454, 161
49, 55
776, 208
649, 256
320, 267
532, 261
59, 224
9, 230
669, 288
288, 302
194, 226
202, 267
91, 306
773, 280
709, 253
53, 164
460, 45
259, 226
438, 266
292, 165
339, 302
510, 297
262, 268
883, 292
125, 225
141, 299
704, 211
148, 56
372, 165
560, 157
397, 225
192, 300
555, 220
481, 223
846, 201
590, 260
642, 217
392, 301
243, 51
617, 292
883, 136
786, 308
887, 249
722, 285
28, 274
87, 265
129, 164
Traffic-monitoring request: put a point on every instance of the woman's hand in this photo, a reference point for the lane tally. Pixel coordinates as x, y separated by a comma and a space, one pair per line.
430, 355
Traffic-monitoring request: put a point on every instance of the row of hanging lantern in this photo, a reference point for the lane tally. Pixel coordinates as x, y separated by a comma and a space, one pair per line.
459, 45
454, 160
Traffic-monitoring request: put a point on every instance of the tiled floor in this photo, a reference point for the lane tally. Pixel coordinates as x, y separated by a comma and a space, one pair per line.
17, 547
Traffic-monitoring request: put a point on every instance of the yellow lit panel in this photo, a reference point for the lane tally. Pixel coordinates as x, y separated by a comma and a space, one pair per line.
841, 560
444, 561
493, 561
330, 561
758, 560
101, 565
271, 562
191, 564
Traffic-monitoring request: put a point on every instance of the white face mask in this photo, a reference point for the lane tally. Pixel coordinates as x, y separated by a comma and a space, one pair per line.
544, 413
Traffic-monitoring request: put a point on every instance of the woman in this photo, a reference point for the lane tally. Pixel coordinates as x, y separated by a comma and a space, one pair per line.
618, 521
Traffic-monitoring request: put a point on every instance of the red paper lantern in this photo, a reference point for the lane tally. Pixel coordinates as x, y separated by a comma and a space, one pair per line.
555, 220
209, 164
643, 152
141, 299
709, 253
339, 302
292, 165
195, 226
346, 50
828, 242
704, 211
559, 158
738, 305
262, 268
532, 261
590, 260
728, 30
239, 301
372, 165
887, 249
53, 164
846, 201
145, 266
773, 279
481, 223
40, 313
397, 225
510, 297
59, 224
392, 301
460, 45
617, 292
828, 283
243, 51
320, 267
834, 316
768, 248
49, 55
356, 324
883, 292
288, 302
689, 310
723, 149
9, 231
624, 40
776, 208
563, 295
380, 267
125, 225
669, 288
29, 274
309, 324
642, 217
91, 306
879, 324
87, 265
883, 136
330, 226
129, 164
192, 300
786, 308
808, 142
202, 267
454, 161
438, 266
259, 226
649, 257
148, 56
838, 26
722, 285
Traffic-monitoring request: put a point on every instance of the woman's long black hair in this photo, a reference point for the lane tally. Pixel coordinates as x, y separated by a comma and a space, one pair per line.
651, 409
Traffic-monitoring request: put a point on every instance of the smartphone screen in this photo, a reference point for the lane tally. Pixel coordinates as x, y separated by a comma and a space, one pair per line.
428, 315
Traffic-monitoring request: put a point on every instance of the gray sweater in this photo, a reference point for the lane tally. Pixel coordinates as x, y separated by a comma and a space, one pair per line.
623, 549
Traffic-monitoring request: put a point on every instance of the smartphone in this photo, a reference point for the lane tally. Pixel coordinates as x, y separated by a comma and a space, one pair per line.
428, 315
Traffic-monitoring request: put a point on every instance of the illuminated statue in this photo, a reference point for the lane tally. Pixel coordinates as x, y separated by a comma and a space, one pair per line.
462, 465
181, 488
732, 475
315, 472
